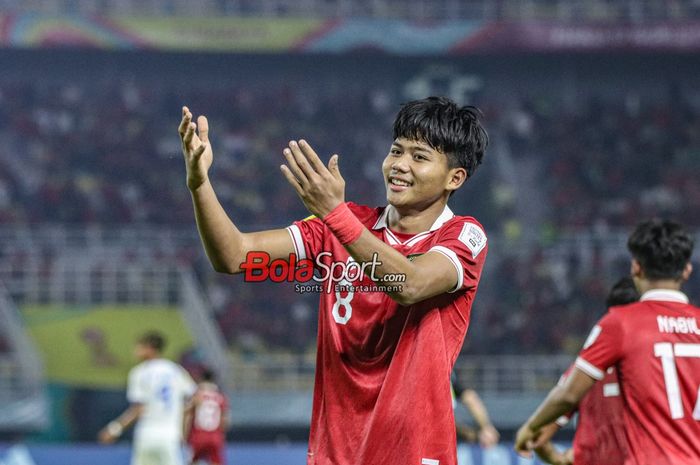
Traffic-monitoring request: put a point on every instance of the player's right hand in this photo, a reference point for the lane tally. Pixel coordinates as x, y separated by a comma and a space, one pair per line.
196, 148
525, 440
104, 437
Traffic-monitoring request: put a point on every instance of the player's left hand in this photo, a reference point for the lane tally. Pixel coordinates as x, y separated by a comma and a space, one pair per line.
525, 440
321, 188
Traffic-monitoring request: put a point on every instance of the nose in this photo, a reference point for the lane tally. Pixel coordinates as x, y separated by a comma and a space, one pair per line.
401, 163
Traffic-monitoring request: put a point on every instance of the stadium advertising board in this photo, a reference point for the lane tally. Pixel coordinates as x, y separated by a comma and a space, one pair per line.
232, 34
96, 344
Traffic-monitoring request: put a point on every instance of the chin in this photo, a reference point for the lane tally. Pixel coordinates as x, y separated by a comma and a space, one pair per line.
395, 201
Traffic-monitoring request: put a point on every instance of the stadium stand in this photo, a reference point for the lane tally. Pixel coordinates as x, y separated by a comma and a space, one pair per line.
561, 10
109, 147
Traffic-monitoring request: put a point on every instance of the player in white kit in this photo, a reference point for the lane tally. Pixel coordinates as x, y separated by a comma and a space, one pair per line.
157, 391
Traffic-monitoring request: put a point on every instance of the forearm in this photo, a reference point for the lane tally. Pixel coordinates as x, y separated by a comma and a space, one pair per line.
222, 241
128, 418
476, 408
557, 403
384, 260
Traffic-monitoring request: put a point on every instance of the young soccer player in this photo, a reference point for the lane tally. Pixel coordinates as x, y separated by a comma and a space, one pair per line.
600, 432
157, 390
655, 346
206, 422
382, 390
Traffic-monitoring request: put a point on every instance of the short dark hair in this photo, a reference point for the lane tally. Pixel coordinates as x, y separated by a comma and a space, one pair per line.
153, 339
662, 248
623, 292
208, 375
439, 122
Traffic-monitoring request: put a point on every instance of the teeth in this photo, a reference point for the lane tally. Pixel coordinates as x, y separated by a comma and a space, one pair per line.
398, 182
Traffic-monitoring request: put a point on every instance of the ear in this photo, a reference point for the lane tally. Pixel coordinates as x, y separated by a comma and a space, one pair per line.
456, 177
687, 271
636, 269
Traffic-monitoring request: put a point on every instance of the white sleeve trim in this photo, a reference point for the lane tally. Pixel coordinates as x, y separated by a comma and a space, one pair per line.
299, 249
589, 369
455, 261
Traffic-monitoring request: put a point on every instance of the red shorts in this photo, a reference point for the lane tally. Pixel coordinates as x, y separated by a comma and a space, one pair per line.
211, 450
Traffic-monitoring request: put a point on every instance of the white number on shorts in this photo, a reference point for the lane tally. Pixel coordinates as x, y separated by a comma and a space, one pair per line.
668, 352
208, 415
344, 302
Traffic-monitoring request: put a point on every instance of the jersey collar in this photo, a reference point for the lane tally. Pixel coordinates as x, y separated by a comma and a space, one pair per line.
667, 295
445, 216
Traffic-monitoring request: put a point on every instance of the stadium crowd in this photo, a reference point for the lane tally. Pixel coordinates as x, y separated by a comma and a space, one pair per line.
106, 153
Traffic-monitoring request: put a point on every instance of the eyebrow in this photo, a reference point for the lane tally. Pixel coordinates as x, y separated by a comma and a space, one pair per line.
416, 147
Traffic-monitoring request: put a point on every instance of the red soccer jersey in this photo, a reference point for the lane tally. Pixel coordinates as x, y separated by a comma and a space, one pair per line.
207, 435
382, 391
655, 345
600, 432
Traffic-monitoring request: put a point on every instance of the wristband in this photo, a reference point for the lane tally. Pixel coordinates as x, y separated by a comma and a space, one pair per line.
115, 429
344, 224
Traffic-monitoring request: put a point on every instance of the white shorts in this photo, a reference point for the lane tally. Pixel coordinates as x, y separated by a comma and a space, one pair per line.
156, 450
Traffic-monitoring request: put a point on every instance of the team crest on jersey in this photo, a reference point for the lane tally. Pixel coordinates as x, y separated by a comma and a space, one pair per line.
473, 237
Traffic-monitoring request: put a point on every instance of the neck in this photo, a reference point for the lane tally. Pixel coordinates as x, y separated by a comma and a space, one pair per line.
411, 220
644, 285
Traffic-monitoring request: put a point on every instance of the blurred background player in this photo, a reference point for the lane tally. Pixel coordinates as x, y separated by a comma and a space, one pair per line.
600, 431
655, 345
206, 421
485, 433
157, 391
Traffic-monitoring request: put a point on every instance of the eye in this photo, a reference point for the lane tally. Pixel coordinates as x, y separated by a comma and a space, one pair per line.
419, 157
395, 152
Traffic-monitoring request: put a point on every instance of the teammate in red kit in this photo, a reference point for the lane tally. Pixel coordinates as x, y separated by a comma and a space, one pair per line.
386, 346
655, 346
207, 421
600, 432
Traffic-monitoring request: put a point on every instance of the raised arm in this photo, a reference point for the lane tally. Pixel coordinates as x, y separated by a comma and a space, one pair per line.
225, 245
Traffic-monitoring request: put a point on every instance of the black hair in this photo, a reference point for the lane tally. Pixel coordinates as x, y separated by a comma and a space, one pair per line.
662, 248
439, 122
623, 292
208, 375
154, 340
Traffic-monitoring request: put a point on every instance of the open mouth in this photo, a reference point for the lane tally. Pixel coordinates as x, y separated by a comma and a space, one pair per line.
397, 184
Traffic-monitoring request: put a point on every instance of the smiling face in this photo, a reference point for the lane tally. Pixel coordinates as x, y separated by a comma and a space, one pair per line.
417, 176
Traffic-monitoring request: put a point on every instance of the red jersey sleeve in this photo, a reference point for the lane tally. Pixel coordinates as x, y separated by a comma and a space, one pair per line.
603, 347
307, 236
464, 243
